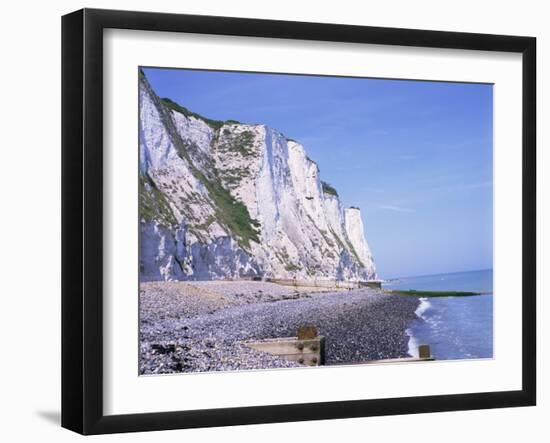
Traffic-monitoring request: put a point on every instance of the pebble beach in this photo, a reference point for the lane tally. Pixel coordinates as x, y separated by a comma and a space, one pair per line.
204, 326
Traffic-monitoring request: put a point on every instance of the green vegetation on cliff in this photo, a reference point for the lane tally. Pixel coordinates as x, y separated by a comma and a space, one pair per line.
242, 142
329, 189
170, 104
153, 205
230, 212
214, 124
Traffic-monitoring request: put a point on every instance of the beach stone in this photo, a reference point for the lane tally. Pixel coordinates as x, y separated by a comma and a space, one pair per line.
358, 326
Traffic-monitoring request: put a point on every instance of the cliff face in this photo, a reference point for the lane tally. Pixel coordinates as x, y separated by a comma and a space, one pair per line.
230, 200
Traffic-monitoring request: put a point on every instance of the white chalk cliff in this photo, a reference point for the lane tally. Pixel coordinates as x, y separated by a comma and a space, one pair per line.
230, 200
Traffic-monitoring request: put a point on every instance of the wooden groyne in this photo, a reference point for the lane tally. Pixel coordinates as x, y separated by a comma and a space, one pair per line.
308, 348
329, 284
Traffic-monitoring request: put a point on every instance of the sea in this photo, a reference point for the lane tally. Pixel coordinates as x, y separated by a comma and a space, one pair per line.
454, 327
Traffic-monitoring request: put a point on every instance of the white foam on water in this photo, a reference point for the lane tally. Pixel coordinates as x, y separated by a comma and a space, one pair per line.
422, 307
413, 342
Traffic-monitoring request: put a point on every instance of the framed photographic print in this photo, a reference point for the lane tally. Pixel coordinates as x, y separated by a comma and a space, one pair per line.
269, 221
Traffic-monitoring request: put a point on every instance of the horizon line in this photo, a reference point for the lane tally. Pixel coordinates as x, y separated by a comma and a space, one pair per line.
438, 273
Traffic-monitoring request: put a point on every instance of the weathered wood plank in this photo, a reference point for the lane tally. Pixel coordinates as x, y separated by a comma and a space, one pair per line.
310, 352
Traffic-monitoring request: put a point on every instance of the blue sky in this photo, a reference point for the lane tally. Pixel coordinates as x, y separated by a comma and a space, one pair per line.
415, 156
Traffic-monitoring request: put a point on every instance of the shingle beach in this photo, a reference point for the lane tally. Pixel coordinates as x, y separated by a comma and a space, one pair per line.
202, 326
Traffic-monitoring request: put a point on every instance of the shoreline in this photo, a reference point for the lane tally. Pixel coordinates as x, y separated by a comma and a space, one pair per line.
454, 327
413, 343
202, 326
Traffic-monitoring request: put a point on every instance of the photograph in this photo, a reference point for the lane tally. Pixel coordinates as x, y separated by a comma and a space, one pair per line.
297, 221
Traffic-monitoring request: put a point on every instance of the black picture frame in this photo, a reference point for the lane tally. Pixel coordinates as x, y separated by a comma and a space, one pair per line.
82, 215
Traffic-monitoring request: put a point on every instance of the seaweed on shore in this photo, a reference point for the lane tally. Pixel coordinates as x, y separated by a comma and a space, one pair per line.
417, 293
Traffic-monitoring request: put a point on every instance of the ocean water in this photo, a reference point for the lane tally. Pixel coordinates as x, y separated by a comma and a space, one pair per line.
454, 327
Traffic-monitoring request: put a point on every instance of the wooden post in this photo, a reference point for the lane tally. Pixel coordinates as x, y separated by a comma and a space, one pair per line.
307, 349
307, 332
424, 351
306, 352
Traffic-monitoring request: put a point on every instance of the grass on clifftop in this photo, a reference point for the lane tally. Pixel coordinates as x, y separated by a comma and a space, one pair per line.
214, 124
170, 104
329, 189
431, 293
